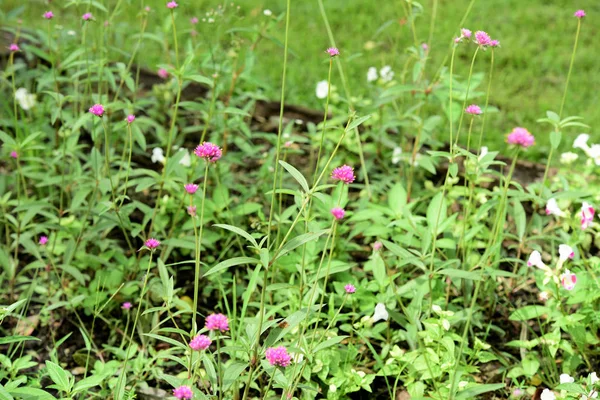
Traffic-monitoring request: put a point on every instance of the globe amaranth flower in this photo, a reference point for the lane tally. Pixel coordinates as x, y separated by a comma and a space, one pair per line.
14, 154
97, 110
568, 280
495, 43
466, 33
587, 215
87, 16
130, 118
183, 392
278, 356
216, 322
14, 47
209, 151
172, 5
152, 243
349, 288
194, 20
579, 14
333, 51
200, 342
126, 306
345, 174
553, 209
338, 212
521, 137
377, 246
191, 211
48, 15
191, 188
565, 252
43, 240
473, 109
162, 73
482, 38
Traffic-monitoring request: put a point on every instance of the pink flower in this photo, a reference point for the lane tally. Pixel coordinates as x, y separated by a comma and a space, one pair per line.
377, 246
349, 288
216, 322
344, 173
147, 9
43, 240
97, 109
14, 47
48, 15
521, 137
425, 47
14, 154
209, 151
130, 118
126, 305
587, 215
278, 356
495, 43
172, 5
191, 188
473, 110
183, 392
288, 144
162, 73
338, 213
192, 211
200, 342
194, 20
87, 16
482, 38
333, 51
568, 280
579, 14
465, 33
152, 243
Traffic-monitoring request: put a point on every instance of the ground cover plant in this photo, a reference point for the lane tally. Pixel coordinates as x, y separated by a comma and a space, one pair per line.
173, 228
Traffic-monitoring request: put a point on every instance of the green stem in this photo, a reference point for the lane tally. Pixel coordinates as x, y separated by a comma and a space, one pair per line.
462, 114
564, 98
198, 240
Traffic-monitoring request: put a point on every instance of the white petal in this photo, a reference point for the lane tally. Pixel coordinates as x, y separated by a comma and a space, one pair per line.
322, 89
581, 141
565, 252
380, 313
547, 394
566, 378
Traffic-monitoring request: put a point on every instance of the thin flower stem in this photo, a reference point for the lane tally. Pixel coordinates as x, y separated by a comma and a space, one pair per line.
462, 114
198, 242
324, 120
175, 38
219, 387
128, 163
487, 102
450, 102
564, 98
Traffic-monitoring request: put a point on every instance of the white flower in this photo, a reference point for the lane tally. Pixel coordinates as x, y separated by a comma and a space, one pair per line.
535, 259
396, 155
380, 313
186, 161
268, 12
71, 33
372, 74
566, 378
211, 20
553, 209
593, 378
158, 155
568, 158
26, 100
547, 394
332, 388
483, 152
386, 73
581, 141
543, 296
565, 252
322, 89
591, 395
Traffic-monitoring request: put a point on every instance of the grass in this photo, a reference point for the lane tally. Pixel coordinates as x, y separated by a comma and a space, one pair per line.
536, 38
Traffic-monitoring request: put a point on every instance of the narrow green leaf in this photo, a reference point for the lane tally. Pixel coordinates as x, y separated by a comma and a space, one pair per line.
296, 174
223, 265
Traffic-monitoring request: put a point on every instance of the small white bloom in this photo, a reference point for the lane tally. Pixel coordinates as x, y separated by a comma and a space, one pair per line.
581, 141
591, 395
535, 259
380, 313
436, 309
372, 74
71, 33
332, 388
25, 99
268, 12
566, 378
483, 152
186, 161
543, 296
322, 89
593, 378
553, 209
565, 252
211, 20
158, 155
396, 155
547, 394
462, 384
568, 158
386, 73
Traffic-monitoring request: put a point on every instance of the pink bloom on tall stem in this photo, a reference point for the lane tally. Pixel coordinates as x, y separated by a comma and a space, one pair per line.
200, 342
349, 288
344, 173
482, 38
495, 43
183, 392
97, 109
194, 20
579, 14
152, 243
278, 356
191, 188
162, 73
126, 305
209, 151
191, 211
587, 215
147, 9
48, 15
14, 154
466, 33
130, 118
14, 47
377, 246
216, 322
338, 213
473, 109
333, 51
43, 240
568, 280
521, 137
87, 16
172, 5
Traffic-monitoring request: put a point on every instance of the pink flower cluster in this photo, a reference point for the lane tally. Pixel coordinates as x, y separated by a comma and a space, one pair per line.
344, 173
209, 151
172, 5
579, 14
87, 16
521, 137
473, 109
126, 306
162, 73
152, 243
278, 356
568, 280
200, 342
130, 118
481, 38
191, 188
48, 15
349, 288
587, 215
97, 110
333, 51
14, 154
43, 240
216, 322
14, 47
338, 213
183, 392
191, 211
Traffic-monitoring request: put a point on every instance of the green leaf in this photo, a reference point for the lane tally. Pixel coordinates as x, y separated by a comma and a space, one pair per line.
59, 376
200, 79
167, 340
530, 365
28, 393
328, 343
397, 198
240, 232
472, 392
520, 219
555, 139
357, 122
87, 383
436, 212
528, 312
232, 373
461, 274
552, 116
296, 174
16, 339
223, 265
300, 240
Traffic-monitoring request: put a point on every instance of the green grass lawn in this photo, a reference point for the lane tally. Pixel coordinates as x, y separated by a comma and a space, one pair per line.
536, 37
